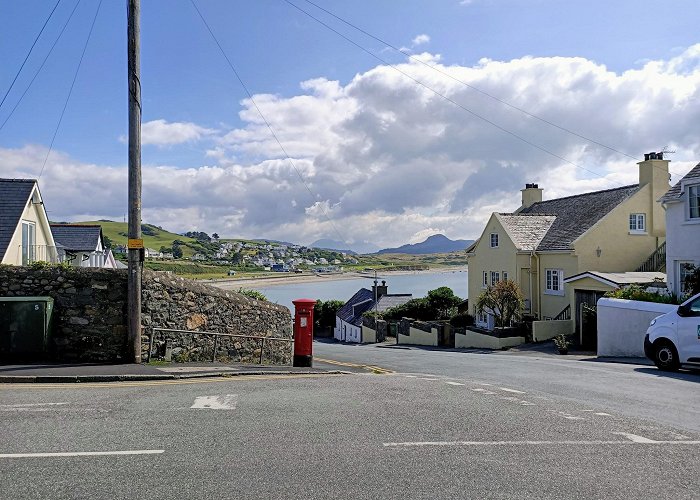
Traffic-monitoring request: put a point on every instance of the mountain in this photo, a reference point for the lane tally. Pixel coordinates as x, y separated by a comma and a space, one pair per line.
340, 246
437, 243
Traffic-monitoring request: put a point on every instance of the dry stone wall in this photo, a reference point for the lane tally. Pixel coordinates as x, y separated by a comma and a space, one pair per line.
89, 321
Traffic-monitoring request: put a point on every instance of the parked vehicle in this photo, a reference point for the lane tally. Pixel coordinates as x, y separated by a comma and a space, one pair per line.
673, 339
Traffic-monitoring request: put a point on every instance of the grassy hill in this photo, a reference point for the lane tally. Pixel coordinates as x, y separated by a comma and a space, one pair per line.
153, 237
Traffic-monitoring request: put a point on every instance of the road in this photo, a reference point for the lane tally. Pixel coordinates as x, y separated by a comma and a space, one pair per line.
445, 425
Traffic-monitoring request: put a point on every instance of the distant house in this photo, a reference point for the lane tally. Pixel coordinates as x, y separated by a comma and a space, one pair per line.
151, 253
25, 235
80, 245
348, 319
545, 241
682, 204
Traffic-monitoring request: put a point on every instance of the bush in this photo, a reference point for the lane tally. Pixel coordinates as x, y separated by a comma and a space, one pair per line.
462, 320
504, 300
636, 292
324, 312
253, 294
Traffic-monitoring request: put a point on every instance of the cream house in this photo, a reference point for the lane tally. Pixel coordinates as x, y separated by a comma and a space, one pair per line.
682, 204
545, 241
25, 235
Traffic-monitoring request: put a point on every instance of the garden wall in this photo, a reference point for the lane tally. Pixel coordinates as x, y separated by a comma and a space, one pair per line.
545, 330
622, 325
477, 340
89, 323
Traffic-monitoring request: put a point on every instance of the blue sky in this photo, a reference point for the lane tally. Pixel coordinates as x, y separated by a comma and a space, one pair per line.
198, 124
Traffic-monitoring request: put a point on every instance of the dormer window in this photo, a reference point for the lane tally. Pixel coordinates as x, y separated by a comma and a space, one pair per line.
693, 202
494, 240
638, 223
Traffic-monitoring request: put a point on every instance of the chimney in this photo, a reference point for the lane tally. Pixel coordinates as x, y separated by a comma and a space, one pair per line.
380, 290
531, 194
653, 172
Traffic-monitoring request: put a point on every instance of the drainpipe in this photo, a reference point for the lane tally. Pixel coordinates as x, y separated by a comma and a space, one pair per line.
539, 304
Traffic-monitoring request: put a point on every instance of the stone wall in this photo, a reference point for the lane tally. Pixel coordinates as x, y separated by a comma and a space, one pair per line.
378, 325
89, 321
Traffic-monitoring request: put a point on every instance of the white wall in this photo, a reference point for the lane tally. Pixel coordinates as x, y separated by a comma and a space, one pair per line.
622, 325
682, 241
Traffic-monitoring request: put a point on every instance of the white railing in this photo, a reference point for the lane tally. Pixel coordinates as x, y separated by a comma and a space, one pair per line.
28, 254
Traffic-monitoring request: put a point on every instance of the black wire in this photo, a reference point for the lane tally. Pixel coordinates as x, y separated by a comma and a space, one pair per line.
42, 65
29, 53
70, 91
267, 123
444, 73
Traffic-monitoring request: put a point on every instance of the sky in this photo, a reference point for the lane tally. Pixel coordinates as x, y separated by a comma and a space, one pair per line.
333, 133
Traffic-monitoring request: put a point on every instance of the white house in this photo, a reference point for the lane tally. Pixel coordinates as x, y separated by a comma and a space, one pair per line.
25, 235
682, 204
80, 245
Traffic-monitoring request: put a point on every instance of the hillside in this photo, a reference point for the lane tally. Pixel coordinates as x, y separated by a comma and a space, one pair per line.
437, 243
153, 236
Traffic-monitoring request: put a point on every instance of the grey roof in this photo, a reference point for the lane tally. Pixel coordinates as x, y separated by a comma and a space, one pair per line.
576, 214
14, 194
675, 192
393, 300
76, 237
526, 231
353, 315
620, 279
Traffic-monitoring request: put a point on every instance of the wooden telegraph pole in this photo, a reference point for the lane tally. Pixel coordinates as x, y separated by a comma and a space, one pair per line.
135, 243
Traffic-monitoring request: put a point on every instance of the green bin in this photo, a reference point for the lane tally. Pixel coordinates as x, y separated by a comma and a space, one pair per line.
25, 328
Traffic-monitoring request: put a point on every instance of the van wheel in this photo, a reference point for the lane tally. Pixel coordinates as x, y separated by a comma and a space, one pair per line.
666, 357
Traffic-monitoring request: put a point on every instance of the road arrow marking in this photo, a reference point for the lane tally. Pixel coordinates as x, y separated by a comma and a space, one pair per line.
219, 402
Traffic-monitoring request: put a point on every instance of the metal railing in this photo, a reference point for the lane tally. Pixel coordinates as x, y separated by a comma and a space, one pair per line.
565, 314
216, 335
28, 254
656, 261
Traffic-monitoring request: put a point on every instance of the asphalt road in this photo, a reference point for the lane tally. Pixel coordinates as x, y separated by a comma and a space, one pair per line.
479, 433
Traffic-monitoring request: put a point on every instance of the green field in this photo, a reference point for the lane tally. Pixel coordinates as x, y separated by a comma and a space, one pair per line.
116, 231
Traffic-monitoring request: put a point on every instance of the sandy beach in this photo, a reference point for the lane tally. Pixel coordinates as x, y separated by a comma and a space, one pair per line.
290, 278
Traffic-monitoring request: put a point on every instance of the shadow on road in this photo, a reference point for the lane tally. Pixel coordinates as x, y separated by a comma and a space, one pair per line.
687, 375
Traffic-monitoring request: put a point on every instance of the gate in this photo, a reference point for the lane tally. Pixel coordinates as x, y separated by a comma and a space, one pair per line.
587, 318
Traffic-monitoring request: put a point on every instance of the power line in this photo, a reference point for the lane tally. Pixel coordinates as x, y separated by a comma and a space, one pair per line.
452, 77
70, 91
42, 65
267, 123
29, 53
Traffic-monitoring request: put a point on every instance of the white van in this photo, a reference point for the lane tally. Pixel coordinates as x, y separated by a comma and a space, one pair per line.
673, 339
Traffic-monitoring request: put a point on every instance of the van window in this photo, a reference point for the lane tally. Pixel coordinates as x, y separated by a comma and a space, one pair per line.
694, 306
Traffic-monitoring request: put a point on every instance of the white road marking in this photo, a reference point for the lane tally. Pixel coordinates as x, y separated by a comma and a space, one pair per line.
511, 390
602, 414
426, 378
410, 376
81, 454
533, 443
527, 403
637, 439
218, 402
453, 383
483, 391
29, 405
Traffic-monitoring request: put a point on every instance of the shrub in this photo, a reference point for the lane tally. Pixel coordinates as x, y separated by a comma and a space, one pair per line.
462, 320
324, 312
253, 294
504, 300
636, 292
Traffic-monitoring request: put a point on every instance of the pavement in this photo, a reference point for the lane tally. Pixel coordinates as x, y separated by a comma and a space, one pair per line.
93, 372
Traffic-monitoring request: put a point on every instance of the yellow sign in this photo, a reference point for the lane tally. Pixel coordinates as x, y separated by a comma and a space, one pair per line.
134, 244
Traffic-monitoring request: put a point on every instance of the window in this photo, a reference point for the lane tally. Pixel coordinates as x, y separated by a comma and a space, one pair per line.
494, 240
495, 277
555, 282
693, 202
485, 281
28, 243
685, 269
505, 276
638, 223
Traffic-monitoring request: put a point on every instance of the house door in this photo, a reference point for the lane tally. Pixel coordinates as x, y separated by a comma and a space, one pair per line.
587, 318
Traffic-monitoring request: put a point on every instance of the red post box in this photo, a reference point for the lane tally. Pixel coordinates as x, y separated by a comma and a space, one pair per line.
303, 331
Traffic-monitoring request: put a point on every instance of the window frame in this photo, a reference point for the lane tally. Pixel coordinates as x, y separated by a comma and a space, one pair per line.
485, 280
634, 223
693, 202
549, 281
495, 277
492, 239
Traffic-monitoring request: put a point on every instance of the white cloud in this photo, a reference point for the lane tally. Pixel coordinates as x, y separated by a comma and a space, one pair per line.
420, 39
163, 133
390, 161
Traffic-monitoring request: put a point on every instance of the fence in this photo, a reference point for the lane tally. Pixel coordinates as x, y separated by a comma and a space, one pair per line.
217, 345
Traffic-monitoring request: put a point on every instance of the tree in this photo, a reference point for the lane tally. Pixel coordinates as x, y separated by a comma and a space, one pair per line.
324, 312
177, 251
108, 243
443, 302
504, 300
692, 280
215, 236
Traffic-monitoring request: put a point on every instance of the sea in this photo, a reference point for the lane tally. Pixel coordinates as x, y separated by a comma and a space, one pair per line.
418, 284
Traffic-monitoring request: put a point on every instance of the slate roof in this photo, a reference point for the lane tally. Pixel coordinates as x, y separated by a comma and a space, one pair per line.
526, 231
76, 237
392, 300
675, 192
576, 214
14, 194
353, 315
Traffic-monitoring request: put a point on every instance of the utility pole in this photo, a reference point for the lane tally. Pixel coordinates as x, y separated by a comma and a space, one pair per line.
135, 243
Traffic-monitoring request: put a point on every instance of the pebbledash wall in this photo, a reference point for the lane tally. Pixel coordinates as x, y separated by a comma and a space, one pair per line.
89, 322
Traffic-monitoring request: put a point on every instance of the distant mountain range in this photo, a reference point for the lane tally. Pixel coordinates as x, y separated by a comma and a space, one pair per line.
340, 246
437, 243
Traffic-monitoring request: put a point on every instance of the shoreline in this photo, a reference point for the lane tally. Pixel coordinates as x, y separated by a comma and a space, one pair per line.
235, 284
